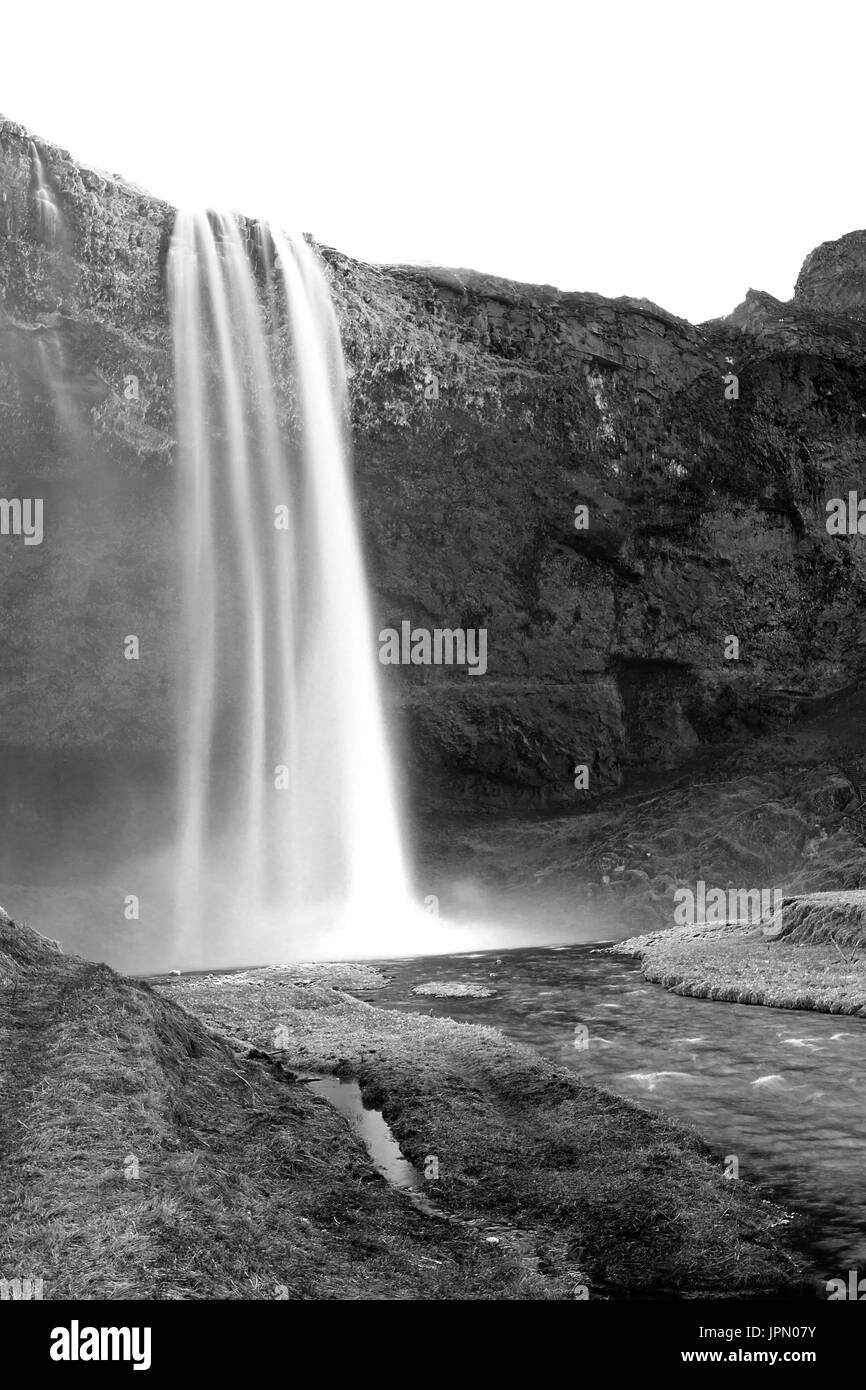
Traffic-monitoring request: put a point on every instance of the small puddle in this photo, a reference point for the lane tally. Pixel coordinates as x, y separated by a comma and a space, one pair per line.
387, 1158
372, 1129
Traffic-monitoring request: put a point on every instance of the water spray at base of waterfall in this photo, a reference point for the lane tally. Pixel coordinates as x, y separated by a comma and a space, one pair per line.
288, 838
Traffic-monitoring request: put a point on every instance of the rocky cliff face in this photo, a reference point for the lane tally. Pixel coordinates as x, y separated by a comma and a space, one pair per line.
485, 415
833, 277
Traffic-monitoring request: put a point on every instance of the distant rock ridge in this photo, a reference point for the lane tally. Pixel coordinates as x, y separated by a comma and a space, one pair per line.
831, 284
833, 277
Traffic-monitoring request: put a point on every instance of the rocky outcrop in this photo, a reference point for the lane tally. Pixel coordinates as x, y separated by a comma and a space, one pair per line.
704, 457
485, 413
833, 278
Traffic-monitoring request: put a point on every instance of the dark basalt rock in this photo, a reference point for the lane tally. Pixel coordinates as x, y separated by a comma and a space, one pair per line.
833, 277
483, 412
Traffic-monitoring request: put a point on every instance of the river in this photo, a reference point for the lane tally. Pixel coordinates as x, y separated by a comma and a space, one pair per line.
779, 1090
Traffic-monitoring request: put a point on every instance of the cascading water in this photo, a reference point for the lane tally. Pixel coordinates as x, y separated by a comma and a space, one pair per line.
49, 226
289, 839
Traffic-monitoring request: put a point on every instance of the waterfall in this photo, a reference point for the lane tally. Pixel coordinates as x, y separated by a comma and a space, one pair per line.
288, 836
48, 223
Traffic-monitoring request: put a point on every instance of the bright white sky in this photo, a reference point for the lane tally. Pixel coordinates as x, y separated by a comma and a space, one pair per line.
678, 151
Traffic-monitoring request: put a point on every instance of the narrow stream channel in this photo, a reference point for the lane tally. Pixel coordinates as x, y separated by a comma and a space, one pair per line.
781, 1090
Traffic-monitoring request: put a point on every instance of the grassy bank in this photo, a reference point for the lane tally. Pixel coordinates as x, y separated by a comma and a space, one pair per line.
247, 1187
144, 1156
741, 965
598, 1192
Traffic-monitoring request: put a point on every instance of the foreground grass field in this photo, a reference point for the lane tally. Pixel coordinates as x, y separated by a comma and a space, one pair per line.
599, 1193
142, 1155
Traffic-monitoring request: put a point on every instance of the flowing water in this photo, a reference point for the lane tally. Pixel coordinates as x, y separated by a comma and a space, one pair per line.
49, 226
289, 837
781, 1091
